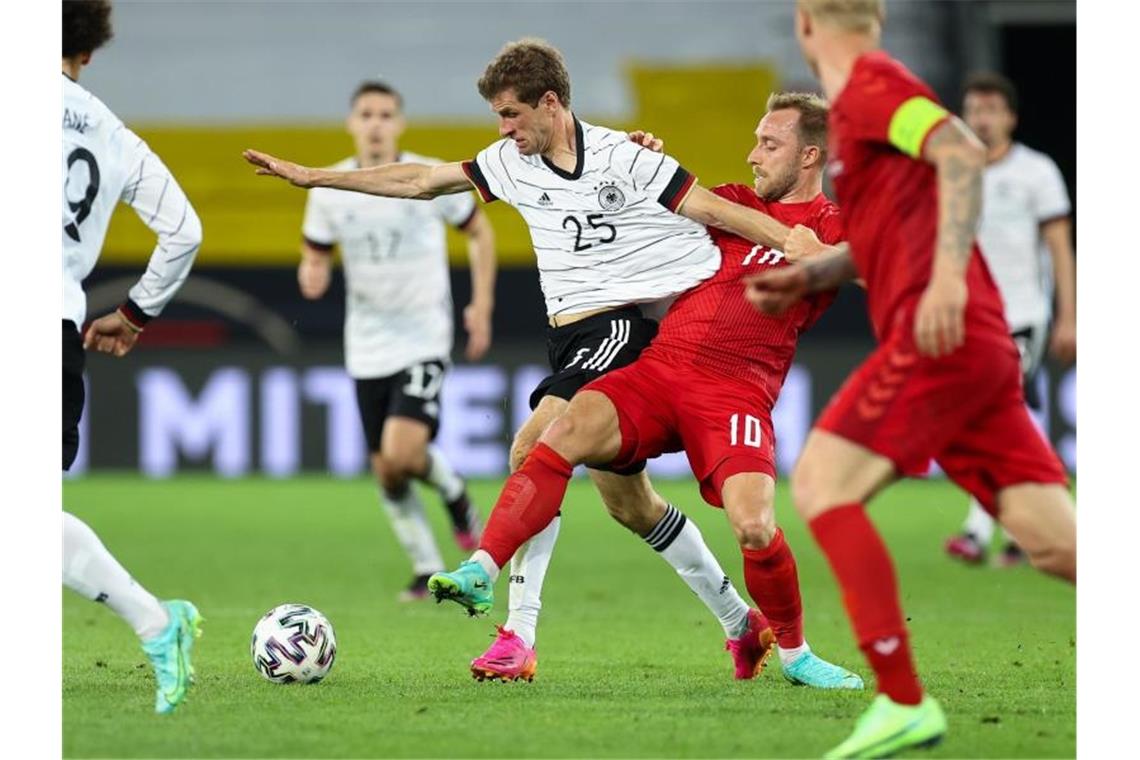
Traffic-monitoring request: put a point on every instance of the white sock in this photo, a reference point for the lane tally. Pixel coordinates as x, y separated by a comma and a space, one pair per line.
528, 571
979, 524
679, 541
89, 569
489, 566
410, 524
441, 477
788, 656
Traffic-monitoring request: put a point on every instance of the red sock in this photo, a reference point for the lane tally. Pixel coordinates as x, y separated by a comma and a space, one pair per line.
528, 502
870, 592
770, 575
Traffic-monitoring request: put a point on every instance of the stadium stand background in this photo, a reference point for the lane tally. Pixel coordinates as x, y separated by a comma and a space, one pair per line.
240, 375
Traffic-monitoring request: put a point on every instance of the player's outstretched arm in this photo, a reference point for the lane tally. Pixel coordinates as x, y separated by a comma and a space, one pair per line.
1058, 235
960, 159
711, 210
390, 180
477, 314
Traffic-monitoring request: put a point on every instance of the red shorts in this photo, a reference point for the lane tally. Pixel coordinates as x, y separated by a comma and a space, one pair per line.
966, 411
723, 425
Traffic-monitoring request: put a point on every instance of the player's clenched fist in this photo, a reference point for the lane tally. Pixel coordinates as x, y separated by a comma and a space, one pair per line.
277, 167
314, 274
801, 243
774, 291
477, 322
111, 334
940, 321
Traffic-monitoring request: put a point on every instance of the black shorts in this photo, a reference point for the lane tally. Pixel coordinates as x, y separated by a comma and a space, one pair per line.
583, 351
73, 391
412, 392
1030, 342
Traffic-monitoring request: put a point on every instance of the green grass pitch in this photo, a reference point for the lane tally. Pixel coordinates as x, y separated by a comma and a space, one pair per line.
630, 663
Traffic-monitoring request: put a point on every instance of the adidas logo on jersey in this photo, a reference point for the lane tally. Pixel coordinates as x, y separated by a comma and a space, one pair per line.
544, 200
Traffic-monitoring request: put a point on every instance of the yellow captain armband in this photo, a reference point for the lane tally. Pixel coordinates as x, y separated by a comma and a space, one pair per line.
912, 122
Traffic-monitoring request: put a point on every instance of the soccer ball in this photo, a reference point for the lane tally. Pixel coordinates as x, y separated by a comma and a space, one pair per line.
293, 643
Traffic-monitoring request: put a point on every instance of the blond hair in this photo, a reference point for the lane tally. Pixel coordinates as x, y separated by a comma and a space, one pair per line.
864, 16
812, 126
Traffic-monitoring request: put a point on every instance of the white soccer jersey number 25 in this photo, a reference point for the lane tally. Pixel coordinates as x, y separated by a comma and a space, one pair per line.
593, 221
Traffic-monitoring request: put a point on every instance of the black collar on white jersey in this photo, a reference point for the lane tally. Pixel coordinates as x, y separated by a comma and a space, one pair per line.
580, 158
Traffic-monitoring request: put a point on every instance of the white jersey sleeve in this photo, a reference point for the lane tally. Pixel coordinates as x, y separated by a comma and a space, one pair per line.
318, 227
489, 174
105, 163
155, 195
457, 210
657, 175
1050, 196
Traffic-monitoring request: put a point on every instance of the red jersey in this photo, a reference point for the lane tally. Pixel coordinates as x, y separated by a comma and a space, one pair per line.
889, 195
714, 327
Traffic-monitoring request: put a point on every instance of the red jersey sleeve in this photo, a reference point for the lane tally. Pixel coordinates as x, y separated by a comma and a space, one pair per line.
829, 225
895, 106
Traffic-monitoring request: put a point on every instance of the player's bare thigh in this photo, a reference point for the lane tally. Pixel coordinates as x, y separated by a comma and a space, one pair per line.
1043, 521
588, 431
833, 471
630, 499
403, 451
527, 436
750, 504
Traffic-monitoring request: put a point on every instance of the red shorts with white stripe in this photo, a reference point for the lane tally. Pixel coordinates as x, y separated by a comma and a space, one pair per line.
722, 424
966, 411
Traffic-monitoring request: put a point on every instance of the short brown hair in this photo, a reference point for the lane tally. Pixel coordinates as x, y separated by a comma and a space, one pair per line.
531, 67
86, 26
851, 15
377, 87
989, 82
812, 127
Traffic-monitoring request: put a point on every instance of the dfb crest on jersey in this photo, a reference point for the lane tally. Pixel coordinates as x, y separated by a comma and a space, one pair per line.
610, 197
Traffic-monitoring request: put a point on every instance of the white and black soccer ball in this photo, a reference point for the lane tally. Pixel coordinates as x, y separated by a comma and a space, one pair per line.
293, 643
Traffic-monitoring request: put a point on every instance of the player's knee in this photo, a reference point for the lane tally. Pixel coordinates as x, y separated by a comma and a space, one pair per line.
408, 462
1058, 557
520, 450
392, 472
569, 435
756, 530
806, 490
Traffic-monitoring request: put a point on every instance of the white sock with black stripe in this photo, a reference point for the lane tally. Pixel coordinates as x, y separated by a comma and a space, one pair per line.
410, 524
528, 571
679, 541
441, 476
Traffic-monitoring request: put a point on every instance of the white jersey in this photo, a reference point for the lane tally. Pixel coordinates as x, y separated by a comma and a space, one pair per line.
606, 234
104, 162
398, 310
1021, 191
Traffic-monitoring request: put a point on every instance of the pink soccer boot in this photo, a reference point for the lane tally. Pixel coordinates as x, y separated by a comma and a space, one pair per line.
751, 651
507, 659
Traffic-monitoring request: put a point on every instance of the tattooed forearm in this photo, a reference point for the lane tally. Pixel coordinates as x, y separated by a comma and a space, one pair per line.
830, 269
960, 161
